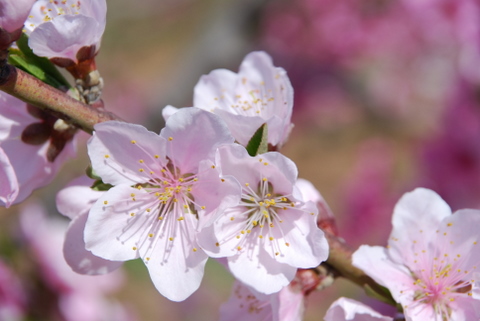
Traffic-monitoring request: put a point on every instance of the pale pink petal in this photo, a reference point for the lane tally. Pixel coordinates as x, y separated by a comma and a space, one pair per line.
256, 268
214, 195
77, 197
345, 309
260, 93
77, 257
288, 304
413, 217
193, 135
308, 246
168, 111
9, 184
374, 261
116, 146
176, 266
111, 232
242, 127
64, 36
13, 13
234, 160
215, 85
245, 306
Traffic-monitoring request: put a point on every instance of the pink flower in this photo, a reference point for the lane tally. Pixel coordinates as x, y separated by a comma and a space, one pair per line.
75, 201
247, 305
164, 187
76, 297
32, 148
260, 93
345, 309
67, 29
271, 232
12, 295
430, 265
13, 13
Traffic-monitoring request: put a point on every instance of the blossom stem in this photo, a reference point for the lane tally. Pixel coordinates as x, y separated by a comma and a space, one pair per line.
31, 90
340, 259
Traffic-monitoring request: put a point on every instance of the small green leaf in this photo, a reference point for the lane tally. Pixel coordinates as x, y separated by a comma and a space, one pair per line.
258, 144
100, 186
39, 67
91, 173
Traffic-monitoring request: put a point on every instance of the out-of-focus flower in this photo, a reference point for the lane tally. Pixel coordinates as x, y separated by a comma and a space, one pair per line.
272, 231
33, 146
382, 55
76, 297
164, 187
450, 160
260, 93
431, 260
368, 194
326, 219
345, 309
75, 201
13, 13
12, 295
245, 305
67, 29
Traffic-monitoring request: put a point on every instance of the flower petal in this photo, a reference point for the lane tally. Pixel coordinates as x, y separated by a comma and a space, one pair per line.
119, 150
77, 257
258, 270
77, 197
193, 136
9, 186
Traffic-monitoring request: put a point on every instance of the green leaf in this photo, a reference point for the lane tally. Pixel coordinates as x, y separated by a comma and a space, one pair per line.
258, 144
99, 185
39, 67
91, 173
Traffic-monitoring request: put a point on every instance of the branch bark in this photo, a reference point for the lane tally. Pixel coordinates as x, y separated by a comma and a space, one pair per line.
23, 86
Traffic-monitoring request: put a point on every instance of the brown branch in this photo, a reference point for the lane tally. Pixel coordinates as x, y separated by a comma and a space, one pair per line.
31, 90
340, 259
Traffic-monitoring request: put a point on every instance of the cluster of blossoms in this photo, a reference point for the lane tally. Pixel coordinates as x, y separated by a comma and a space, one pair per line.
211, 184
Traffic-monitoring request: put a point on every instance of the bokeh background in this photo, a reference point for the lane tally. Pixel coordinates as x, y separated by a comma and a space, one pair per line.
387, 98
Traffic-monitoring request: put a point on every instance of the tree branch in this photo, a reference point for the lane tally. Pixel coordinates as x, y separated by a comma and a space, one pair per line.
31, 90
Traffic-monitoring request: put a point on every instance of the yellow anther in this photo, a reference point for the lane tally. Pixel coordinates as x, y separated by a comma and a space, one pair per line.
239, 248
249, 231
181, 218
132, 214
107, 156
202, 207
260, 236
105, 202
265, 162
170, 238
238, 236
264, 179
213, 166
141, 170
133, 141
170, 138
156, 156
147, 258
287, 244
132, 195
271, 225
195, 249
148, 210
271, 238
232, 218
255, 223
141, 161
150, 235
134, 248
247, 184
